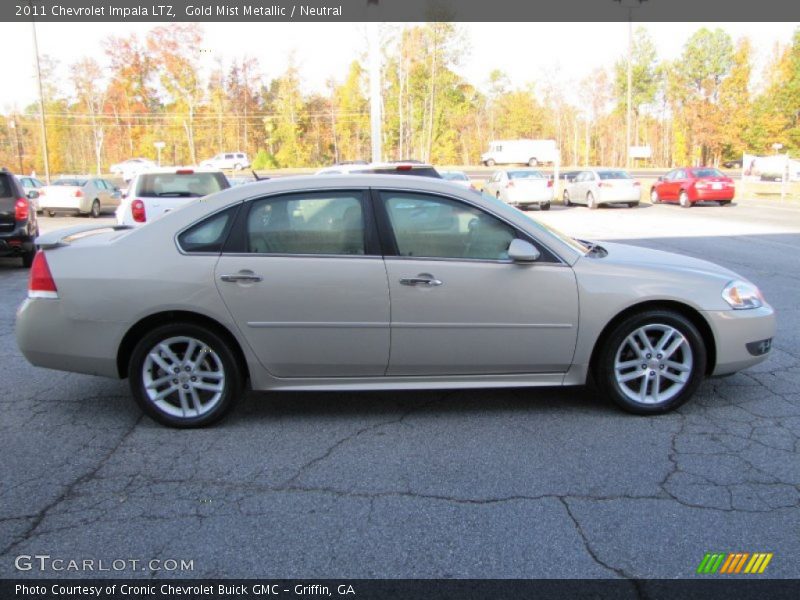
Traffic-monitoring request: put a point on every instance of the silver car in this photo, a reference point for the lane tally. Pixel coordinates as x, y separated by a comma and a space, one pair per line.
79, 195
594, 187
523, 188
373, 282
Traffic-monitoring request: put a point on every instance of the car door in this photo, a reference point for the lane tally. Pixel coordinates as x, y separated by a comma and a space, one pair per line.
459, 306
303, 279
113, 195
578, 190
490, 187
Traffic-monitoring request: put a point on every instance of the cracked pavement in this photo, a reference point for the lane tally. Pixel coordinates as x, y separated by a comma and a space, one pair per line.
509, 483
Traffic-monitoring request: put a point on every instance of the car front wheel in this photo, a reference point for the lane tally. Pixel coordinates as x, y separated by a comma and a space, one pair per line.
651, 363
654, 196
184, 375
684, 200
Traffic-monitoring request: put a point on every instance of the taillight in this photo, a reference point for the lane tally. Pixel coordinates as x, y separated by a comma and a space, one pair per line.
636, 184
510, 184
602, 184
138, 212
78, 194
21, 209
549, 183
41, 283
403, 168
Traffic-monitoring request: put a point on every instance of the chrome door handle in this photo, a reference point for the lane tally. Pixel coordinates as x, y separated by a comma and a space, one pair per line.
425, 279
241, 278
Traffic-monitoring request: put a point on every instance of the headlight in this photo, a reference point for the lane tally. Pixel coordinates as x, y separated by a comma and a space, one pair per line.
741, 295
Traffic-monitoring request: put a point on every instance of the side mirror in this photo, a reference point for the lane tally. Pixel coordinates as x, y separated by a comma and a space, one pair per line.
522, 251
33, 194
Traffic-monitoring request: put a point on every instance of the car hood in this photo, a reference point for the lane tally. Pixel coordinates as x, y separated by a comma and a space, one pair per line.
658, 260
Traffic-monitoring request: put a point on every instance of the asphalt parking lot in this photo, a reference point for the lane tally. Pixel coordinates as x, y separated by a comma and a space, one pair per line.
475, 483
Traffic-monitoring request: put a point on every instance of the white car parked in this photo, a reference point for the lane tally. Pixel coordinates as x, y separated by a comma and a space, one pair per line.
159, 191
523, 188
128, 169
79, 195
594, 187
227, 160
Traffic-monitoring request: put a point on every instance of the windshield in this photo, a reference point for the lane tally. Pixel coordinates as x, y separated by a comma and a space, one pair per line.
72, 182
525, 175
707, 173
547, 229
613, 175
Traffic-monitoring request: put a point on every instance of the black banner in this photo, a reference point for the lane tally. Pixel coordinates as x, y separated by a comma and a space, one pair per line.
401, 10
403, 589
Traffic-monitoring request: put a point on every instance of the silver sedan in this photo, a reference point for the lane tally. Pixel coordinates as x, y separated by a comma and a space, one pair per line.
374, 282
595, 187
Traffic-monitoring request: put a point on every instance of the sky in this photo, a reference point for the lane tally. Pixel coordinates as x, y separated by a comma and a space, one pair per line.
526, 52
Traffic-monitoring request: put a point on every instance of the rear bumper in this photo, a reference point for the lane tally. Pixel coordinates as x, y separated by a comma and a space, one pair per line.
743, 337
611, 196
519, 198
712, 195
49, 338
16, 241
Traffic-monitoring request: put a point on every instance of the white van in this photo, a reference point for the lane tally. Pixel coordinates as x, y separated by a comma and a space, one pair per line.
526, 152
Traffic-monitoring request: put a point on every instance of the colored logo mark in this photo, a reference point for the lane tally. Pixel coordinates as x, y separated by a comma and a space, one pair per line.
734, 562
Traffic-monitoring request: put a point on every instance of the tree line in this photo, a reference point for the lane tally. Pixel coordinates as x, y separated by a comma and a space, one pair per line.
698, 109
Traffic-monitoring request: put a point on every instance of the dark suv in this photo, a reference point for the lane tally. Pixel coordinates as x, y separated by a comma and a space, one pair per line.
18, 225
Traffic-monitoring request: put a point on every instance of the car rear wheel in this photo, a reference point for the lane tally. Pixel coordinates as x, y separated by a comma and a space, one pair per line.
651, 363
490, 163
545, 206
95, 210
684, 199
724, 202
654, 198
184, 375
633, 204
51, 213
590, 201
567, 201
533, 162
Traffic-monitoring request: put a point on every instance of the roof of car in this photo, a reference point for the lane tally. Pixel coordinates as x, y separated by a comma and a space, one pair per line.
185, 169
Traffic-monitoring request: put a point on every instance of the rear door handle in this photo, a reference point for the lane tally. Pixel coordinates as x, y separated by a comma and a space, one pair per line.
241, 278
424, 279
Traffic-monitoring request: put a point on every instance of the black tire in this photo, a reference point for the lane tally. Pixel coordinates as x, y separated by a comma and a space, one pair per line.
51, 213
567, 201
490, 163
603, 367
27, 258
683, 200
633, 204
94, 212
544, 206
532, 162
654, 197
232, 386
590, 201
724, 202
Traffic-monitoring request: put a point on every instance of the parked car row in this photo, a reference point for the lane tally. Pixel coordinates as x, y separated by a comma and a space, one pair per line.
128, 169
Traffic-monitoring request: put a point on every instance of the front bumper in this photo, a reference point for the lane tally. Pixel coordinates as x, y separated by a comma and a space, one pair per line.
743, 337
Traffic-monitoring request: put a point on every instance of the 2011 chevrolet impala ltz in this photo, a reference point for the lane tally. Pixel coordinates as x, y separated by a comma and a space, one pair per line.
372, 282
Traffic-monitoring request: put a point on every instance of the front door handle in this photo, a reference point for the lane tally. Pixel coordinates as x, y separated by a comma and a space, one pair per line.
424, 279
242, 277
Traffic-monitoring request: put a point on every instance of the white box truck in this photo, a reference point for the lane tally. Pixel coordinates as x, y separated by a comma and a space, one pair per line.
526, 152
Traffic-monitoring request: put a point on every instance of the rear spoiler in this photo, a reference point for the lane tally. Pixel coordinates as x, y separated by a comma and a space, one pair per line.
63, 237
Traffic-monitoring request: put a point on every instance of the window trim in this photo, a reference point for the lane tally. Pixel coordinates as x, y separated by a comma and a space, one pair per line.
236, 207
389, 242
236, 243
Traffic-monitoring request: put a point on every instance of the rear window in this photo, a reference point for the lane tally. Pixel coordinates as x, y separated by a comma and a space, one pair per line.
525, 175
72, 182
6, 189
180, 185
613, 175
707, 173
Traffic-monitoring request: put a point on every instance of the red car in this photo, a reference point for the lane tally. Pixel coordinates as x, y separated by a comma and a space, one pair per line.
693, 184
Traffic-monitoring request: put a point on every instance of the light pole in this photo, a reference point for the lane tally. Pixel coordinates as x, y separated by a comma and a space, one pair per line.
630, 4
41, 106
778, 147
374, 83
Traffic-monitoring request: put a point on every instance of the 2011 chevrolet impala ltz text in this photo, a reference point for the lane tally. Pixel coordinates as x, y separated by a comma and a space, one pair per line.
375, 282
